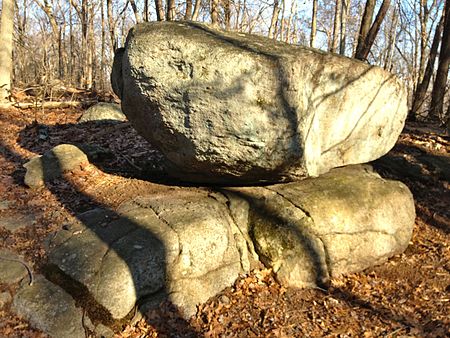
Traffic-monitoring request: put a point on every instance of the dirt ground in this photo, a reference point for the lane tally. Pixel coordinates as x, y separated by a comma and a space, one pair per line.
408, 296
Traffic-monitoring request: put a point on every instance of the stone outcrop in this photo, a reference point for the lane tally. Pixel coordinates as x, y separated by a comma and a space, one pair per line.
233, 108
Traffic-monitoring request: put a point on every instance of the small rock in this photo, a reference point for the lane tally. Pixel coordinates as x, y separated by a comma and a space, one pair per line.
50, 309
5, 298
11, 270
17, 222
51, 165
103, 111
4, 205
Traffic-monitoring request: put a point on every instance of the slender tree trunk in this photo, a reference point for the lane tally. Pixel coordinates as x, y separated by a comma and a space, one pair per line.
71, 49
336, 26
111, 25
196, 10
227, 13
283, 21
366, 22
135, 11
102, 56
214, 12
6, 50
423, 16
439, 86
421, 90
274, 21
391, 40
363, 52
146, 10
170, 13
289, 22
90, 66
313, 24
188, 12
343, 36
159, 10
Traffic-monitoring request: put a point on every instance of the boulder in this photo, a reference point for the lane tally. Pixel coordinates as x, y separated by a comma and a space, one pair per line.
231, 108
184, 245
188, 244
344, 221
103, 111
50, 309
51, 165
12, 267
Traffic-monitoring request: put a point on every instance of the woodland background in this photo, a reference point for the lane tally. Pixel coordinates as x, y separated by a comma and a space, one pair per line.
63, 45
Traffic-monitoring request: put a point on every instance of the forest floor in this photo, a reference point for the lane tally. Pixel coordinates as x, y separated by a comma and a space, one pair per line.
408, 296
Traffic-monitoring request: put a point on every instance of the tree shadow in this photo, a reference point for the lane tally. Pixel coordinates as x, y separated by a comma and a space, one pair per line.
146, 254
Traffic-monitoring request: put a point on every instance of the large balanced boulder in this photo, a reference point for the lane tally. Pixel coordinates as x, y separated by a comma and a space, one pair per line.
233, 108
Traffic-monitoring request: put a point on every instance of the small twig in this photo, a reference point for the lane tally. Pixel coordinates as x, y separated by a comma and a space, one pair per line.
130, 162
30, 273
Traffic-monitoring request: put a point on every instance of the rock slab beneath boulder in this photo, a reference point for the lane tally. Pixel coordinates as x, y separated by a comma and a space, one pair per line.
186, 244
232, 108
50, 309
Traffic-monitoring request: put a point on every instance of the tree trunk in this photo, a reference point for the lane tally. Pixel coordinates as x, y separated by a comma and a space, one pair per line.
102, 55
343, 36
421, 90
135, 11
366, 22
283, 21
274, 21
111, 24
196, 10
313, 24
188, 12
159, 10
439, 86
146, 10
336, 26
391, 40
364, 50
6, 43
423, 17
227, 14
170, 14
215, 12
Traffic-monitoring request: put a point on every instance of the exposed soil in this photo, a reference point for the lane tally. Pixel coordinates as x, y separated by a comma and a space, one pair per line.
407, 296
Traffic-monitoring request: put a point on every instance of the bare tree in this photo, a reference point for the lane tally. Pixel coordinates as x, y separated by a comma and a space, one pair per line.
159, 10
313, 24
440, 83
274, 21
170, 11
343, 35
135, 11
188, 12
196, 10
363, 48
6, 41
214, 12
336, 26
422, 87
